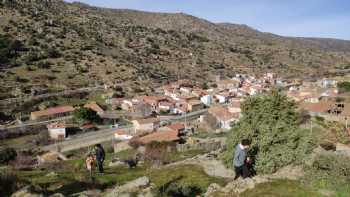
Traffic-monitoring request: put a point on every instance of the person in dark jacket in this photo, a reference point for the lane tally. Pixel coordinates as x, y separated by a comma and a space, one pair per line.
240, 159
100, 157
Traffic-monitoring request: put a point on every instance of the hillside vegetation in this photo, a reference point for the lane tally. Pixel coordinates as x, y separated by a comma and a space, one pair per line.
53, 44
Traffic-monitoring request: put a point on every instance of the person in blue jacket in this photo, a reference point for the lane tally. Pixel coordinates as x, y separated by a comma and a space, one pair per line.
240, 159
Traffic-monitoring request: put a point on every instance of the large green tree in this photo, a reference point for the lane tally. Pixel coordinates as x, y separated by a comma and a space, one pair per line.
271, 122
85, 114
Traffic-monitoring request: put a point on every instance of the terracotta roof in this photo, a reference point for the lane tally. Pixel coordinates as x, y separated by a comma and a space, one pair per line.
151, 98
94, 107
53, 111
56, 125
120, 132
147, 120
346, 110
160, 136
236, 104
321, 107
194, 102
87, 126
222, 113
168, 104
176, 126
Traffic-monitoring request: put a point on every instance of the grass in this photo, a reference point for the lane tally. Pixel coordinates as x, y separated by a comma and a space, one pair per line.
278, 188
281, 188
70, 177
184, 175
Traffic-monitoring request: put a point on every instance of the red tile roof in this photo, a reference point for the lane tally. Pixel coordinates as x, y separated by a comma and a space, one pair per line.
147, 120
53, 111
176, 126
56, 125
160, 136
94, 106
346, 110
120, 132
321, 107
222, 113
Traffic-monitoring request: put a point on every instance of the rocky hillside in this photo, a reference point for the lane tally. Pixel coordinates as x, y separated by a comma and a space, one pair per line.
55, 45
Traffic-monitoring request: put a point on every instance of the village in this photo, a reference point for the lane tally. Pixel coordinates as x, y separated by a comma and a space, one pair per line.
179, 111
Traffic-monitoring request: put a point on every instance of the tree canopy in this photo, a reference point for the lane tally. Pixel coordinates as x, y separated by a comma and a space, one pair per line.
85, 114
271, 122
344, 86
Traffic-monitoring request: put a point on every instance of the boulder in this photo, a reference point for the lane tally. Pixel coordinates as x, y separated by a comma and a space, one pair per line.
57, 195
130, 188
26, 192
343, 149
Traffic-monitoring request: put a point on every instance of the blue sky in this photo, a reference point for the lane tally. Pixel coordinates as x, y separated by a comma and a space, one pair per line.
304, 18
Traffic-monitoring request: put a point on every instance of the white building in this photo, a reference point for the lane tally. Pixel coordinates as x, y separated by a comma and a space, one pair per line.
149, 124
207, 100
121, 135
57, 131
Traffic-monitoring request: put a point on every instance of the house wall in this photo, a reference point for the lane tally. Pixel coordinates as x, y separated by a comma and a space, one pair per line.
59, 133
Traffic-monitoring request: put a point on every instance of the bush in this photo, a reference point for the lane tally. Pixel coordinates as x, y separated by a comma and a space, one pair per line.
7, 155
157, 152
53, 53
84, 114
344, 87
319, 118
272, 123
8, 183
329, 170
175, 189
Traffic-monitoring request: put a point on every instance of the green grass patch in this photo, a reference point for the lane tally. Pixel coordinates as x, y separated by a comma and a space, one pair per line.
281, 188
183, 175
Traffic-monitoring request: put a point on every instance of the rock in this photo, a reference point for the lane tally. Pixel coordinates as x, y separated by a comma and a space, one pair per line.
57, 195
51, 174
25, 192
214, 187
288, 172
240, 185
325, 192
130, 187
116, 163
88, 193
343, 149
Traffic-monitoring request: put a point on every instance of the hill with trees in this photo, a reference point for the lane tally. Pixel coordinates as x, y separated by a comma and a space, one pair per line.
57, 45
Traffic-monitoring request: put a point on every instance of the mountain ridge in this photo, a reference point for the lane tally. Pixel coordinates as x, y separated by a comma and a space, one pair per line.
73, 44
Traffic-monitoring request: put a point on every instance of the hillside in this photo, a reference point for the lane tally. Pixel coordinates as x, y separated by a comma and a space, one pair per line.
56, 45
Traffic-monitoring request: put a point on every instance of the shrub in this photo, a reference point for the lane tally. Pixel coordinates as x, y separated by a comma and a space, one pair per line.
319, 118
344, 86
272, 123
7, 155
53, 53
175, 189
8, 183
84, 114
329, 170
157, 152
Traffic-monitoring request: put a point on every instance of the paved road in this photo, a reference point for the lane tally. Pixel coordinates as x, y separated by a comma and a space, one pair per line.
91, 138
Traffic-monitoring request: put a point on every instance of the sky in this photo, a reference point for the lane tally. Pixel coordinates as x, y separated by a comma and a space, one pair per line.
301, 18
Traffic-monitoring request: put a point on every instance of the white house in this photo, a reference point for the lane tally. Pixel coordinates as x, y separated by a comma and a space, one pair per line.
223, 117
57, 131
121, 135
327, 83
207, 100
148, 124
235, 107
